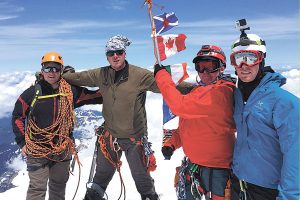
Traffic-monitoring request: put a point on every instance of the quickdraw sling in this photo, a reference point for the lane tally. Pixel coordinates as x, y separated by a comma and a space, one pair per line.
193, 173
180, 187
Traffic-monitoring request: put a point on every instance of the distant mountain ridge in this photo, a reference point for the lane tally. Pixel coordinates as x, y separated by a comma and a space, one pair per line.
10, 150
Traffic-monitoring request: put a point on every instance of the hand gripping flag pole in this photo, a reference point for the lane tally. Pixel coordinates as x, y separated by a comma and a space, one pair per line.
173, 40
149, 2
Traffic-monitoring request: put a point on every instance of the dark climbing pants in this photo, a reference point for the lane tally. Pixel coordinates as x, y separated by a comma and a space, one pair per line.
135, 157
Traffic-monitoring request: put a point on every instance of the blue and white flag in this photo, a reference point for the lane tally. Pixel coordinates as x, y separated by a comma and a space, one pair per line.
165, 22
167, 113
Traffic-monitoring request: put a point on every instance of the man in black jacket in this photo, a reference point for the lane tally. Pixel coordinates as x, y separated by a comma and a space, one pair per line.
42, 121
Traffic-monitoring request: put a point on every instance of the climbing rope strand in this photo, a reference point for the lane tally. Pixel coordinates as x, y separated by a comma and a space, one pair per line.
54, 139
114, 145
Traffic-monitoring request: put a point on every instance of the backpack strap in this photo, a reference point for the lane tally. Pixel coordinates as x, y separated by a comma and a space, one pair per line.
38, 92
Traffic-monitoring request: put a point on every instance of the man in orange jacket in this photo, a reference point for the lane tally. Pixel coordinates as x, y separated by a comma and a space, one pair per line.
206, 127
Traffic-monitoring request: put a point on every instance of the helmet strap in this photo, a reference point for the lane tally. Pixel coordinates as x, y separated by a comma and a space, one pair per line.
218, 77
261, 69
199, 82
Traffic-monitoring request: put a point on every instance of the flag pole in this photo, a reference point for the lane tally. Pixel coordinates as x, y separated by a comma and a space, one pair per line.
153, 30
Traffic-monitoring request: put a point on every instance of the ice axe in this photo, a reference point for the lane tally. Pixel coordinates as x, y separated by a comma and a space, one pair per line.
93, 190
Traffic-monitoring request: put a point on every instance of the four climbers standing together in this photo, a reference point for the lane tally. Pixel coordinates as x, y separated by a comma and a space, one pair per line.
260, 162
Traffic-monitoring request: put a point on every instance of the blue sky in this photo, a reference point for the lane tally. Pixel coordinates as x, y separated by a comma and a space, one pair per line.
79, 29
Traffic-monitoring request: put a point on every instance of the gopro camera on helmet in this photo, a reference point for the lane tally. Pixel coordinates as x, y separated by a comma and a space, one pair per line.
242, 25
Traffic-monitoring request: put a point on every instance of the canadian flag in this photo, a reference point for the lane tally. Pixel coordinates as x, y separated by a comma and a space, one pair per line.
169, 45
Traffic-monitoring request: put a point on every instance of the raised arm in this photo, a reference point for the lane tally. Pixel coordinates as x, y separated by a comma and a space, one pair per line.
199, 103
147, 82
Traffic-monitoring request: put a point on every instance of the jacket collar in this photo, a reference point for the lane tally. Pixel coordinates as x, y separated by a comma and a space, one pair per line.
123, 74
47, 88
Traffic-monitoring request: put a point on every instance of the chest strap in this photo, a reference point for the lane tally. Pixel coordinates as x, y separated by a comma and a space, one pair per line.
38, 92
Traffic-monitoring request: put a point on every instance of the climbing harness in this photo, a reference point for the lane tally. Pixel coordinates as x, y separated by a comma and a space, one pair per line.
116, 164
194, 174
106, 139
243, 190
197, 187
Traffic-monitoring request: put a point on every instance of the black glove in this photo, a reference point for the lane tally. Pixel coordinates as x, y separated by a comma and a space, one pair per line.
167, 151
158, 67
68, 69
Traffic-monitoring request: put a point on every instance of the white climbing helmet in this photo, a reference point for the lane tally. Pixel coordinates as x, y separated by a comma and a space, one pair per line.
250, 42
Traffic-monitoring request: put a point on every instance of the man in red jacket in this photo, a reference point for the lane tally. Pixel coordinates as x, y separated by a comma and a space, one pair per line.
206, 126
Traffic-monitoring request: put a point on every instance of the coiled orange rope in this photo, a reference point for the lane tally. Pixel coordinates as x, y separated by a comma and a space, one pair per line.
52, 141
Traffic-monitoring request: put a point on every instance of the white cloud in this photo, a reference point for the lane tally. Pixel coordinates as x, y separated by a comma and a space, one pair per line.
223, 29
11, 86
88, 36
6, 9
27, 41
58, 28
6, 17
196, 30
293, 81
118, 4
17, 163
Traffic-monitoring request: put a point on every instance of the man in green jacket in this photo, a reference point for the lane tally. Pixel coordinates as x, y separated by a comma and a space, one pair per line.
123, 87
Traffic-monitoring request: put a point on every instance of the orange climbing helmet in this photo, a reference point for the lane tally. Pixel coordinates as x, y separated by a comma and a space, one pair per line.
52, 57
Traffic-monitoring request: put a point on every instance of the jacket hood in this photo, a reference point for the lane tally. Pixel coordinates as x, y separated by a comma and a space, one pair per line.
274, 79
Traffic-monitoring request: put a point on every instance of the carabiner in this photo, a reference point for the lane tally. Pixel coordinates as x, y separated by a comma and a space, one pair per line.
116, 145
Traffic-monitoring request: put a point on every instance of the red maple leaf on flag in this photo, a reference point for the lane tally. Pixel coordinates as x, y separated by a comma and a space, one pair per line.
170, 43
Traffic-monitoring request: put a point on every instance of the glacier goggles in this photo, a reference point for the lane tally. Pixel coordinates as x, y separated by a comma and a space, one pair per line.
246, 57
112, 53
210, 66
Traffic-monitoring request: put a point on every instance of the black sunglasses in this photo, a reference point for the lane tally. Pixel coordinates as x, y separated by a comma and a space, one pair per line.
51, 69
209, 69
112, 53
201, 70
